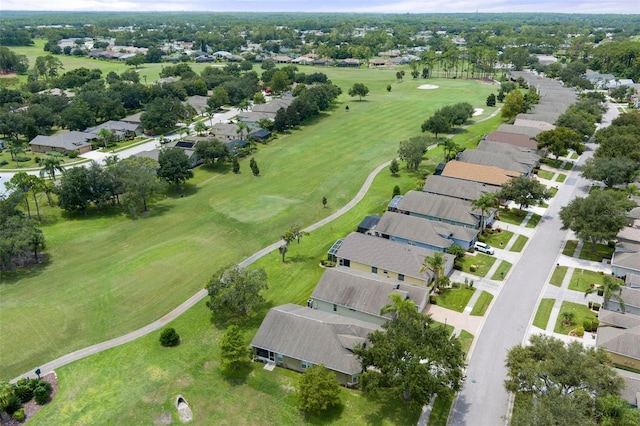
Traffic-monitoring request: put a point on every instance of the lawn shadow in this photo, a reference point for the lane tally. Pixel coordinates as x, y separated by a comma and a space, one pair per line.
327, 417
237, 376
250, 322
29, 271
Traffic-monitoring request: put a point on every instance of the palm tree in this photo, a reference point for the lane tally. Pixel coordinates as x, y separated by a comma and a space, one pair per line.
50, 165
611, 290
105, 135
435, 264
568, 318
488, 200
200, 127
448, 146
399, 306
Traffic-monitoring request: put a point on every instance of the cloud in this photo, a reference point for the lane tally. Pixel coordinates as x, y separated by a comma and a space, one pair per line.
371, 6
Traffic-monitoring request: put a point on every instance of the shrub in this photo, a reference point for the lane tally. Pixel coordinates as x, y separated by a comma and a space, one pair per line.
580, 331
73, 154
19, 415
37, 160
600, 291
24, 392
4, 163
22, 158
328, 263
433, 300
169, 337
42, 392
595, 307
12, 404
473, 268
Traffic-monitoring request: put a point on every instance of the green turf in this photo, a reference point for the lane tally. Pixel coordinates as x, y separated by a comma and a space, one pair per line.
602, 251
546, 174
482, 262
574, 156
455, 299
569, 248
558, 275
533, 220
501, 271
582, 312
543, 313
498, 239
440, 411
583, 279
466, 339
482, 304
561, 177
513, 216
519, 244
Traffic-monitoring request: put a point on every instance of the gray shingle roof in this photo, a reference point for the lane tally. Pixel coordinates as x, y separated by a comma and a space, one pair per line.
503, 161
397, 257
621, 341
513, 139
314, 336
69, 140
532, 132
114, 126
522, 155
422, 230
440, 206
631, 296
627, 255
458, 188
273, 106
618, 319
225, 130
364, 293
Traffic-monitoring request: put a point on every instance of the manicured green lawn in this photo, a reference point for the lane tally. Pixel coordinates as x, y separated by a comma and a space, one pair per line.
603, 251
574, 156
553, 191
498, 239
466, 339
582, 279
569, 248
561, 177
543, 313
455, 299
513, 216
533, 220
558, 275
440, 412
501, 271
581, 311
519, 244
546, 174
482, 304
482, 262
567, 165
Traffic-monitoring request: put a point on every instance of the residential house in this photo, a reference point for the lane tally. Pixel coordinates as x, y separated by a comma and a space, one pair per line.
440, 208
134, 119
119, 129
626, 259
437, 236
489, 175
359, 295
385, 258
259, 135
521, 154
537, 124
252, 118
632, 280
273, 106
281, 59
515, 139
496, 159
631, 298
324, 61
532, 132
619, 335
225, 132
298, 337
368, 223
236, 145
198, 102
457, 188
349, 62
63, 142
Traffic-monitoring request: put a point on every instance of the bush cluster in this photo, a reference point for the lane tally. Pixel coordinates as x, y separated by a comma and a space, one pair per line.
169, 337
591, 325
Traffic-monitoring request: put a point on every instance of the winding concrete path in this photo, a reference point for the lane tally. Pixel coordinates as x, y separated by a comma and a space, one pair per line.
99, 347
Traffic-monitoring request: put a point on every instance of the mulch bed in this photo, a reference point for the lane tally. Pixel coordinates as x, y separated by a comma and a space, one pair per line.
31, 408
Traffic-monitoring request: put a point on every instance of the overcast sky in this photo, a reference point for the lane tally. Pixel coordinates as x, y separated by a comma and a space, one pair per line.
379, 6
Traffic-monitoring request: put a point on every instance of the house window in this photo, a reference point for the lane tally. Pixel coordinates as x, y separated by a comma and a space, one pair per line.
400, 277
335, 307
384, 271
374, 270
345, 262
354, 379
306, 364
279, 358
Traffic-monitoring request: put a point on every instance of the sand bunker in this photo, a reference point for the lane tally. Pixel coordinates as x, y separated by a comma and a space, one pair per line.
428, 87
477, 111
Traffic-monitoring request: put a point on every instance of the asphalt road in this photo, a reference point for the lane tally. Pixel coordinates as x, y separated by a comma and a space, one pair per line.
484, 400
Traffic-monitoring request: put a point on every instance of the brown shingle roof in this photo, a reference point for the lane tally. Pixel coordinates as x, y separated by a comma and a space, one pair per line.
475, 172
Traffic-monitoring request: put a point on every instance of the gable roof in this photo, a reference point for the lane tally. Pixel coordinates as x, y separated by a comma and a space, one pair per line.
69, 140
532, 132
390, 255
626, 255
516, 139
486, 158
273, 106
490, 175
458, 188
631, 297
224, 129
618, 319
440, 206
198, 102
314, 336
254, 116
422, 230
625, 342
521, 154
526, 121
114, 126
364, 293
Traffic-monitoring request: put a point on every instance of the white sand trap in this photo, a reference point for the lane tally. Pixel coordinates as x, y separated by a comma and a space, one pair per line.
477, 111
428, 87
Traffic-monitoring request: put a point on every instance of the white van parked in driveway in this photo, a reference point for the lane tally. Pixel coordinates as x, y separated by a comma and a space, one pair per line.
484, 248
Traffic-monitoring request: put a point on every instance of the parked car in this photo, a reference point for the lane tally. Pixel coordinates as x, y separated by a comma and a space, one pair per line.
484, 248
